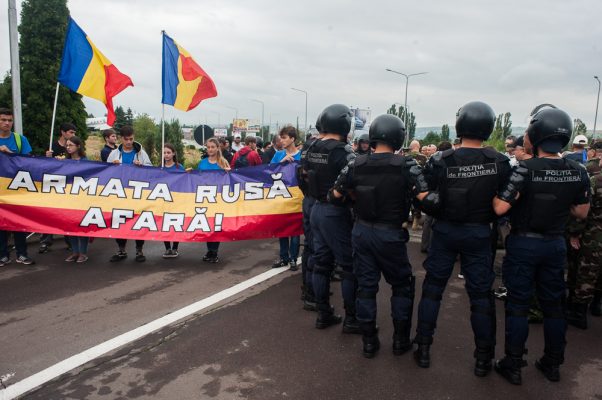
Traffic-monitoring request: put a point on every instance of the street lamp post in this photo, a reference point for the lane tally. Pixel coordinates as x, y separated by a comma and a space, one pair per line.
303, 91
405, 107
233, 108
597, 103
262, 110
219, 116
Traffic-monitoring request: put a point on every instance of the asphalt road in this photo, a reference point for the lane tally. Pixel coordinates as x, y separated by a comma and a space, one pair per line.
257, 345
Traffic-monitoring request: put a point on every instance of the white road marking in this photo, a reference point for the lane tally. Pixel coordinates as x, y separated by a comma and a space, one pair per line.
77, 360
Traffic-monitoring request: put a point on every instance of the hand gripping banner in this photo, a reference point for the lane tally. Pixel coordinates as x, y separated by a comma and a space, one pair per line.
86, 198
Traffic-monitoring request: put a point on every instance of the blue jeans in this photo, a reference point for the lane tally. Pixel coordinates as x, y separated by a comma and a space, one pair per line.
20, 243
289, 248
79, 244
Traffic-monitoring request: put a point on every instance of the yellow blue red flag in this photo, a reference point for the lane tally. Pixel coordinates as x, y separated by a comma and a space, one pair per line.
185, 84
85, 70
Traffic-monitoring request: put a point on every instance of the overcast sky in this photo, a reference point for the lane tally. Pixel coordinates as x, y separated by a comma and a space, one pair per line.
511, 54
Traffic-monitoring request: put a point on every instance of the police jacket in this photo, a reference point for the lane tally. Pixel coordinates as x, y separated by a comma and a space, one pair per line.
467, 180
323, 162
381, 186
551, 187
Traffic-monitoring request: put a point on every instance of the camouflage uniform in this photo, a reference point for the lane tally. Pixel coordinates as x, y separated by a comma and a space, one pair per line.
585, 264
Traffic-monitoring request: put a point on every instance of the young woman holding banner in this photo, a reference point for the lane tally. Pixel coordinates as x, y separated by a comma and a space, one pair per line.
170, 163
79, 244
214, 161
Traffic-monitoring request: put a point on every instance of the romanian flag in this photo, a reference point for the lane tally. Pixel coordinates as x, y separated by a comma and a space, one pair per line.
85, 70
185, 84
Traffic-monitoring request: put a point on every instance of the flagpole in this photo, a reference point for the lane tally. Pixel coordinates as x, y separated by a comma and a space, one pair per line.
56, 96
162, 136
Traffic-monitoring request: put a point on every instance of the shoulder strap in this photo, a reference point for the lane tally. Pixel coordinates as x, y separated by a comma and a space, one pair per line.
17, 141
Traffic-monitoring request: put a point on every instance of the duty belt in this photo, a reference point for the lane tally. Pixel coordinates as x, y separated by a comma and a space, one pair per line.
379, 225
536, 235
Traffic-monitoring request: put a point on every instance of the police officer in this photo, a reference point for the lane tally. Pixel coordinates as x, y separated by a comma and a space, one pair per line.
381, 184
331, 223
363, 144
307, 292
542, 192
466, 180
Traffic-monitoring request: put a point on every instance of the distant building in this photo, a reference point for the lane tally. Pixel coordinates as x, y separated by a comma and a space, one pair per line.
188, 133
97, 124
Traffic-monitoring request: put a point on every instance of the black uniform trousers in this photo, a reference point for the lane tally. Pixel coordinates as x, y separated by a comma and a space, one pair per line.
473, 243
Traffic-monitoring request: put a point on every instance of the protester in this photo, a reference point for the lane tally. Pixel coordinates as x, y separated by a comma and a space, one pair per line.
13, 143
268, 154
214, 162
237, 145
170, 163
289, 246
59, 148
129, 152
578, 154
224, 145
110, 137
79, 244
246, 156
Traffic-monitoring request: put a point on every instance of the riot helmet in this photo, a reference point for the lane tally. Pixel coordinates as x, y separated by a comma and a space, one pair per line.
550, 129
389, 129
336, 119
475, 120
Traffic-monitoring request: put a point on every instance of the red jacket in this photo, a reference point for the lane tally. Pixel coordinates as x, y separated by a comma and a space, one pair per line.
252, 157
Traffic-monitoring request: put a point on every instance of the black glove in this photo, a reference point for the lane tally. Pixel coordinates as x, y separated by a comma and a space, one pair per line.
332, 199
515, 184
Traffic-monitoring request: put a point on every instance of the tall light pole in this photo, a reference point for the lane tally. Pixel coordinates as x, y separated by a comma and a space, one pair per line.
14, 66
262, 110
303, 91
405, 107
597, 103
233, 108
219, 117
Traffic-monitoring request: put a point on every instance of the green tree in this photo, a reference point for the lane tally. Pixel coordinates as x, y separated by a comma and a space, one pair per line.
42, 34
579, 128
411, 120
498, 130
120, 118
129, 117
445, 132
507, 125
431, 138
173, 135
6, 92
148, 135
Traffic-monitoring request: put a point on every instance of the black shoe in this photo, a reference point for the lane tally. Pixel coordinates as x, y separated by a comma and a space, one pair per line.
44, 248
24, 260
401, 337
577, 315
422, 355
596, 306
351, 325
327, 318
370, 341
309, 305
549, 368
139, 256
120, 255
293, 265
482, 368
509, 367
211, 257
280, 263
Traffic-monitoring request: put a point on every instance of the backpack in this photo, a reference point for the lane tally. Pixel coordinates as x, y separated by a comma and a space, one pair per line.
241, 161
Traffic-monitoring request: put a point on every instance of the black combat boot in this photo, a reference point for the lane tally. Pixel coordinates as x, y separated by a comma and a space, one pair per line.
483, 364
401, 337
309, 301
577, 315
596, 307
549, 365
370, 338
422, 355
326, 316
509, 366
351, 324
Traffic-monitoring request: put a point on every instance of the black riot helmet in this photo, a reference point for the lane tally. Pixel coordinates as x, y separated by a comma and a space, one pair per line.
550, 129
336, 119
319, 124
364, 137
476, 120
389, 129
